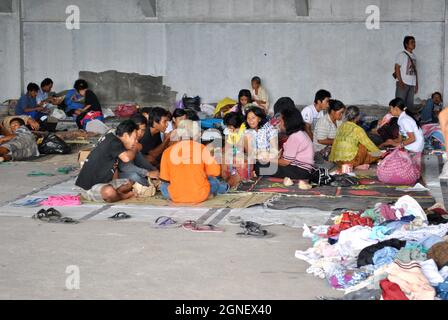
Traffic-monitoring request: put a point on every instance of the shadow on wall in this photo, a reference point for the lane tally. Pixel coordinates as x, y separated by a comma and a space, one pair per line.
113, 87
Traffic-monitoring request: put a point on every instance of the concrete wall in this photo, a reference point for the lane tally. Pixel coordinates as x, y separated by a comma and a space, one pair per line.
10, 81
213, 47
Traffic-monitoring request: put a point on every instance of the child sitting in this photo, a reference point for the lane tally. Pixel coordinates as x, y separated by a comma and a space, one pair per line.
19, 144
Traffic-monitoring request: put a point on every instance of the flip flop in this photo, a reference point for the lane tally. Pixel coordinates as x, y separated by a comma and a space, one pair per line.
253, 230
206, 228
64, 220
164, 222
53, 216
42, 213
120, 216
52, 212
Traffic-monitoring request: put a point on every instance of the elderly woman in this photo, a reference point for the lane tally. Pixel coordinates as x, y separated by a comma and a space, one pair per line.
325, 130
352, 145
188, 171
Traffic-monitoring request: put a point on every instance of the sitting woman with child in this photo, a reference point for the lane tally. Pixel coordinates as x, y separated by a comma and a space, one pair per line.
352, 145
325, 129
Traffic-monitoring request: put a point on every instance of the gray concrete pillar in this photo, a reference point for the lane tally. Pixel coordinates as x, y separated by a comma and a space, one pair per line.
445, 56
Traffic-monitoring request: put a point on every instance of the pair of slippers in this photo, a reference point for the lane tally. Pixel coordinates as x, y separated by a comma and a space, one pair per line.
53, 216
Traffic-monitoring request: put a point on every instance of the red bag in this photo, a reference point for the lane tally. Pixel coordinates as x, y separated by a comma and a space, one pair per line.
399, 168
126, 110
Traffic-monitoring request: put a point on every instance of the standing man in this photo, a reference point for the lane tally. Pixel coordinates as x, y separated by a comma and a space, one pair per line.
406, 73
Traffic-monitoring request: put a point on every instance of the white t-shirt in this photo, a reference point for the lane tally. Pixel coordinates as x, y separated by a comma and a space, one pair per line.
407, 124
310, 115
408, 73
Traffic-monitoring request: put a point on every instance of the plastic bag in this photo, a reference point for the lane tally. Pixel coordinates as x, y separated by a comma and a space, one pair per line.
126, 110
52, 144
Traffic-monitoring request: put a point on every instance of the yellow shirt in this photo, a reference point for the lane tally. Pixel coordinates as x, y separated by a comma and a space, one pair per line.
348, 138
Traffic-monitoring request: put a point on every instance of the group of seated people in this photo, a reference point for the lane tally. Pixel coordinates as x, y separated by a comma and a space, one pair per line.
257, 140
40, 103
283, 142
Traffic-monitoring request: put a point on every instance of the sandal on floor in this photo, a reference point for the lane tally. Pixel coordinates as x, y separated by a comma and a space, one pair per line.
64, 220
53, 216
253, 230
194, 227
52, 212
120, 216
166, 223
42, 213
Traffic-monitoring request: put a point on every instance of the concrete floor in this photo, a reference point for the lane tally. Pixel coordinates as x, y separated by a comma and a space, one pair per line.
131, 260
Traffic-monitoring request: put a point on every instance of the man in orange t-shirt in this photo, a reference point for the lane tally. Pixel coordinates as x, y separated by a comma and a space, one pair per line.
188, 171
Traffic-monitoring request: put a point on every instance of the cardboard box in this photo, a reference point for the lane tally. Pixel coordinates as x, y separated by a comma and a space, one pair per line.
82, 156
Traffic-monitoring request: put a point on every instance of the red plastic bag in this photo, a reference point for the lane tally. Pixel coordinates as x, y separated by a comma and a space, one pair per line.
399, 168
126, 110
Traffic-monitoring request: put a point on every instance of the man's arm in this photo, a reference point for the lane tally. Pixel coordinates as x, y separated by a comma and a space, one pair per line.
309, 131
39, 107
398, 74
326, 142
33, 124
157, 152
7, 138
127, 156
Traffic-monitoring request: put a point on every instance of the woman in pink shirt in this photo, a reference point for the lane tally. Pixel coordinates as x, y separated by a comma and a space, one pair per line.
297, 159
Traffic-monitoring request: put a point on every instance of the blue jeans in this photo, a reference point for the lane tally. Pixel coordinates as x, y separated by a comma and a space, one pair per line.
216, 187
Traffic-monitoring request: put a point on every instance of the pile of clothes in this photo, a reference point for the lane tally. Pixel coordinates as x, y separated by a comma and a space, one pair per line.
390, 252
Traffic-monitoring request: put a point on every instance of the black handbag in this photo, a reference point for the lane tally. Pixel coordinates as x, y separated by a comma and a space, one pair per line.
193, 103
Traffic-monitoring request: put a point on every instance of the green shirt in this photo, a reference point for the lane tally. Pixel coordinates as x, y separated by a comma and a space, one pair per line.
346, 144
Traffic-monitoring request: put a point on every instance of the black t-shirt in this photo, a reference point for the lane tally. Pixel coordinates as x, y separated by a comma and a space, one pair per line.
92, 100
99, 166
150, 142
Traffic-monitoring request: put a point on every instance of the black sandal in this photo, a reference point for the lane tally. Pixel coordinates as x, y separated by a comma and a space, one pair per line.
252, 229
120, 216
53, 216
52, 212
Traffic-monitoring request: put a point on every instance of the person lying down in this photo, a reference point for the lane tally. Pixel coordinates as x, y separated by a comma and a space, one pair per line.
17, 143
